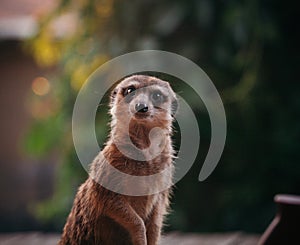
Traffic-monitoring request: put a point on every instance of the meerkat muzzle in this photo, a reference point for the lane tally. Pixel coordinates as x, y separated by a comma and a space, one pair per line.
141, 107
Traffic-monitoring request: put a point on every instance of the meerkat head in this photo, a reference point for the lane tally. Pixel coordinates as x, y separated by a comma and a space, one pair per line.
143, 108
144, 100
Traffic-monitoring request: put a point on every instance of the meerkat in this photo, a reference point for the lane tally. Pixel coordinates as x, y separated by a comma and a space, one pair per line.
99, 215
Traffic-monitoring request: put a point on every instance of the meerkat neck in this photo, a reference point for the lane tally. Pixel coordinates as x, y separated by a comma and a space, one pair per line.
141, 142
140, 135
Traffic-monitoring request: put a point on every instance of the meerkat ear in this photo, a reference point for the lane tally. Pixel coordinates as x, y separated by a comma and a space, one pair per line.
113, 95
174, 106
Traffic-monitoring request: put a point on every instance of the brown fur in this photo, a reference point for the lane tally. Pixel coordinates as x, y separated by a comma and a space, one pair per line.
101, 216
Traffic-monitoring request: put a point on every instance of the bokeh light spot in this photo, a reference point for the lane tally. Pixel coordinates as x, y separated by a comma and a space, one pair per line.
40, 86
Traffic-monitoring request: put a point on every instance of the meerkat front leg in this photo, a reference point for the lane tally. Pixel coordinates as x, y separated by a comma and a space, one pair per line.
121, 212
154, 224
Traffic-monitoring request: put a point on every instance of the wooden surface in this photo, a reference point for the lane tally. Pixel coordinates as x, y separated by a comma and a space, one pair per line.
174, 238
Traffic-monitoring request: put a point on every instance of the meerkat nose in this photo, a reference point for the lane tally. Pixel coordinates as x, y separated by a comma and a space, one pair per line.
141, 107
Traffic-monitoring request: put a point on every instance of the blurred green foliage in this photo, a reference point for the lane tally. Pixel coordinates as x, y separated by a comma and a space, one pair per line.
248, 48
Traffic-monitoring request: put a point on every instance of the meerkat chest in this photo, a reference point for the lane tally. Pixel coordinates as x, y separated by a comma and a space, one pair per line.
143, 205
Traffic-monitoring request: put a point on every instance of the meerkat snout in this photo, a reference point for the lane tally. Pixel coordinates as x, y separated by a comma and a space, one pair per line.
141, 107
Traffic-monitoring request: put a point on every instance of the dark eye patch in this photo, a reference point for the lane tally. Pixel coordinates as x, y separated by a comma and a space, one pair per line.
157, 97
129, 93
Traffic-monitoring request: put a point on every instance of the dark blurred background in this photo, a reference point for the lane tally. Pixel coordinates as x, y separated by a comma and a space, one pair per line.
249, 49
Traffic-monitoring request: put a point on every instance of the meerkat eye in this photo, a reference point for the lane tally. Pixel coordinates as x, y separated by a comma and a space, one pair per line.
129, 93
129, 90
157, 97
